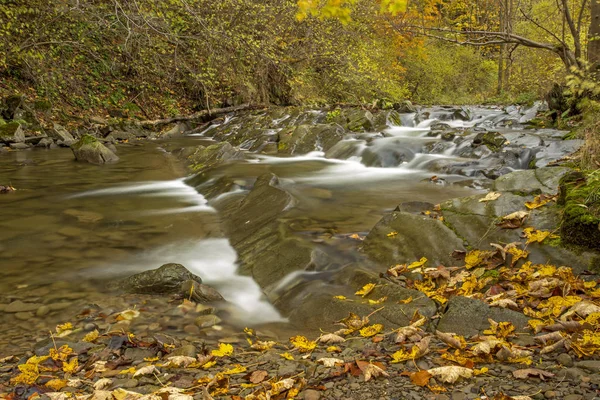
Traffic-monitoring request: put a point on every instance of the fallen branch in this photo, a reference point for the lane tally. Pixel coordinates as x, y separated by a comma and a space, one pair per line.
203, 116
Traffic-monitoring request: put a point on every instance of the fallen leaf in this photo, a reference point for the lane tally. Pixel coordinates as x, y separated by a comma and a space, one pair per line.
263, 345
330, 362
450, 374
128, 315
330, 338
539, 201
224, 350
368, 288
258, 376
147, 370
458, 342
102, 383
372, 330
237, 369
491, 196
56, 384
534, 372
373, 370
180, 361
420, 378
91, 336
514, 220
303, 344
287, 356
281, 386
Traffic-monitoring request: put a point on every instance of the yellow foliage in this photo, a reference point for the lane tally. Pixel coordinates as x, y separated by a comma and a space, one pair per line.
287, 356
61, 354
402, 355
418, 264
91, 336
372, 330
237, 369
70, 367
303, 344
30, 371
533, 235
368, 288
56, 384
64, 328
224, 350
208, 364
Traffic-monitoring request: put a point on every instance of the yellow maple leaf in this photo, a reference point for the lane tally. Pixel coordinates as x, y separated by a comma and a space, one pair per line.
372, 330
368, 288
340, 297
406, 301
91, 336
151, 359
476, 257
539, 201
237, 369
392, 234
536, 324
500, 329
333, 349
224, 350
208, 364
533, 235
61, 354
418, 264
303, 344
378, 301
30, 371
70, 367
287, 356
403, 355
517, 254
480, 371
62, 328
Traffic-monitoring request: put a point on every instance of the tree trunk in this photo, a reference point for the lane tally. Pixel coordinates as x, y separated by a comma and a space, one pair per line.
594, 36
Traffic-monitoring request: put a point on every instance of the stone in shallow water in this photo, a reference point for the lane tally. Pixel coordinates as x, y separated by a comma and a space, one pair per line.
18, 306
89, 149
164, 280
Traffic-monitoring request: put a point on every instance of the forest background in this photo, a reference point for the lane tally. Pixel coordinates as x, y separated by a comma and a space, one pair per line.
148, 58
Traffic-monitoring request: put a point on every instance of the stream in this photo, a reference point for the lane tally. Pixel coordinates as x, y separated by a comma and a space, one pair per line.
71, 227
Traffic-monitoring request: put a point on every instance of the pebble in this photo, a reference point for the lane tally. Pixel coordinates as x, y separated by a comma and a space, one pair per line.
590, 365
573, 397
565, 359
24, 316
206, 321
191, 329
19, 306
459, 396
187, 350
312, 395
42, 311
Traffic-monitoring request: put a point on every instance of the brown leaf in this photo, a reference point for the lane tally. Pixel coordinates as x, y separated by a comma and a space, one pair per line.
420, 378
534, 372
373, 370
258, 376
451, 340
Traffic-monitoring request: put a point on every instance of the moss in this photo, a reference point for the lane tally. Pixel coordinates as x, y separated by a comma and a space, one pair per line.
581, 215
2, 122
86, 140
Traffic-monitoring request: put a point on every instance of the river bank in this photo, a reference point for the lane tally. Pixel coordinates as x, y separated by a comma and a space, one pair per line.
313, 206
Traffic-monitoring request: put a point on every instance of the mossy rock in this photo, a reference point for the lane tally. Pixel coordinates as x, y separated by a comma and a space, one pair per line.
581, 216
89, 149
492, 140
11, 133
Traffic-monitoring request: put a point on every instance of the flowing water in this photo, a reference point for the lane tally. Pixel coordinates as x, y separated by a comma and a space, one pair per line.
82, 225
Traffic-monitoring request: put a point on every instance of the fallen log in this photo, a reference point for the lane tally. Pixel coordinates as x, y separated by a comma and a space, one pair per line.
203, 116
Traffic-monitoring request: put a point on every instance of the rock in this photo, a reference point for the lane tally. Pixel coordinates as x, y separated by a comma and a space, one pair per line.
84, 216
468, 317
303, 139
417, 236
24, 316
565, 359
200, 293
266, 248
405, 107
589, 365
206, 157
581, 216
164, 280
12, 133
187, 351
542, 180
355, 120
492, 140
11, 105
556, 150
45, 143
42, 311
138, 354
206, 321
19, 146
311, 394
18, 306
89, 149
61, 135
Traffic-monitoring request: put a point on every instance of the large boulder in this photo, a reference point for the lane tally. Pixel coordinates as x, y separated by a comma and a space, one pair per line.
266, 246
12, 133
89, 149
11, 106
166, 279
468, 317
401, 237
303, 139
